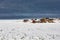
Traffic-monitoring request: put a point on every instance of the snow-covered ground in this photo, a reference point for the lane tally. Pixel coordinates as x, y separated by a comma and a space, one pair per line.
18, 30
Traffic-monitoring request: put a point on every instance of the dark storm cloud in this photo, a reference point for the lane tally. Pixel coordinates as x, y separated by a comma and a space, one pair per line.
29, 6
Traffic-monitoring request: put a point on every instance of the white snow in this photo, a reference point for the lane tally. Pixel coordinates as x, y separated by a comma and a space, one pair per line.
18, 30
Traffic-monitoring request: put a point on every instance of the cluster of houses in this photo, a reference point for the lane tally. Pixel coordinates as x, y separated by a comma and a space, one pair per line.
42, 20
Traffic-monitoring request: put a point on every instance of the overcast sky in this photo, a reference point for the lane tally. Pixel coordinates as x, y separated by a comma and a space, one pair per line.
29, 6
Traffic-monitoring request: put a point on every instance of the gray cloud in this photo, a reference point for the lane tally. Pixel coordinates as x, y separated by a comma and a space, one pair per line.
29, 6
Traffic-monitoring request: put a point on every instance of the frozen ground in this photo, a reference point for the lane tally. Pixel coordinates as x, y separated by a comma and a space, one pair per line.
18, 30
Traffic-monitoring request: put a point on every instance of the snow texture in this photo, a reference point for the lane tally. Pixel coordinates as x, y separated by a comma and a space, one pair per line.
18, 30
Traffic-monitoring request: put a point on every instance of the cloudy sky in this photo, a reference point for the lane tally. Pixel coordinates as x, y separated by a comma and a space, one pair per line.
29, 6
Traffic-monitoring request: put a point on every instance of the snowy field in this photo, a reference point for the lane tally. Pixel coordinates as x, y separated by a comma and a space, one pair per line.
18, 30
